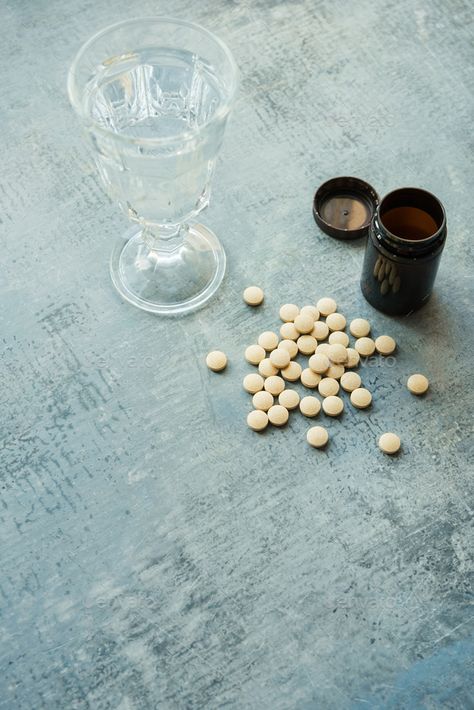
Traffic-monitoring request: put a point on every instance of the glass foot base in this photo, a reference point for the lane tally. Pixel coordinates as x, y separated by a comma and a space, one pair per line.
175, 279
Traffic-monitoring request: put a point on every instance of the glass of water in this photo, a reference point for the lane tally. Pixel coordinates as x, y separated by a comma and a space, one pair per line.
154, 95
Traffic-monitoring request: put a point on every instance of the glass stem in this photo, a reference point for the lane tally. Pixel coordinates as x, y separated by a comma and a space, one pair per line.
161, 238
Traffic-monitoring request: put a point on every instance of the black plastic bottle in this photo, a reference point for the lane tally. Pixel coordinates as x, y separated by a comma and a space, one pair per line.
404, 246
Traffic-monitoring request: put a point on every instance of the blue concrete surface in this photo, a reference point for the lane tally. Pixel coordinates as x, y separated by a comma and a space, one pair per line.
155, 552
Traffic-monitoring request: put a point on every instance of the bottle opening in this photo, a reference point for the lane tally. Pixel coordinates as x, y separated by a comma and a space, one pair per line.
411, 214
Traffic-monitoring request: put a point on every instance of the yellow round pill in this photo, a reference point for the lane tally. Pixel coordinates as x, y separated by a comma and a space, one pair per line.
337, 353
333, 406
320, 330
328, 387
389, 443
339, 337
310, 406
292, 372
257, 420
288, 312
307, 344
359, 327
317, 436
289, 399
350, 381
280, 357
216, 360
254, 354
266, 369
304, 323
253, 295
326, 306
262, 400
365, 346
274, 385
289, 345
309, 378
361, 398
385, 345
418, 384
353, 358
319, 363
310, 310
335, 371
268, 340
289, 332
253, 383
278, 415
336, 321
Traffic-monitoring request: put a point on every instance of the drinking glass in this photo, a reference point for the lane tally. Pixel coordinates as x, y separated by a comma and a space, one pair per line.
154, 95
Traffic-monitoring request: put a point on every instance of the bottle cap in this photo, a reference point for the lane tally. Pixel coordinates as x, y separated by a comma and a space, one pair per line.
343, 207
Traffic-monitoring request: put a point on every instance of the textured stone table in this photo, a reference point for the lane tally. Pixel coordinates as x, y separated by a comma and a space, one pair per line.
155, 552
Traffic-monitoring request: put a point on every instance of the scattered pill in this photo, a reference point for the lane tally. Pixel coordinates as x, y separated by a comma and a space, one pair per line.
254, 354
339, 337
253, 383
389, 443
289, 345
323, 348
292, 372
289, 399
257, 420
350, 381
335, 371
278, 415
385, 345
328, 387
353, 358
288, 312
418, 384
310, 310
317, 436
309, 378
336, 321
280, 357
319, 363
216, 360
359, 327
337, 353
320, 330
266, 369
263, 400
361, 398
274, 385
333, 406
307, 344
310, 406
365, 346
268, 340
253, 296
326, 306
289, 332
304, 323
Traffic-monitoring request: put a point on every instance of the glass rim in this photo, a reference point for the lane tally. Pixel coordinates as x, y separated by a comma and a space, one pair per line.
75, 101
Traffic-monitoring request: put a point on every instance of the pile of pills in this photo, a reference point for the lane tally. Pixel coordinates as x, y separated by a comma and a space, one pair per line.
330, 367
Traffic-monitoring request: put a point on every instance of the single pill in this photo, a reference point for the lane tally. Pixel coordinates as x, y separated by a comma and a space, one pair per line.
304, 323
319, 363
317, 436
310, 310
289, 332
328, 387
288, 312
377, 266
360, 397
266, 369
326, 306
257, 420
268, 340
385, 287
292, 372
253, 296
337, 353
307, 344
365, 346
359, 327
274, 385
278, 415
338, 337
289, 399
310, 406
350, 381
280, 357
353, 358
418, 384
389, 443
216, 360
263, 400
320, 330
253, 383
309, 378
289, 345
323, 348
333, 406
385, 345
335, 371
336, 321
254, 354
